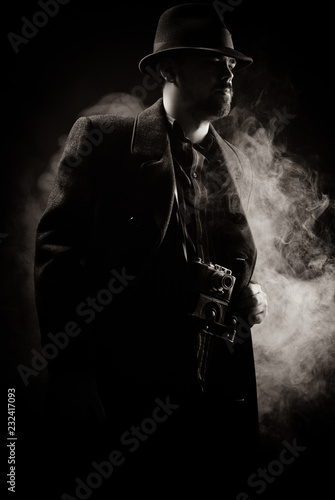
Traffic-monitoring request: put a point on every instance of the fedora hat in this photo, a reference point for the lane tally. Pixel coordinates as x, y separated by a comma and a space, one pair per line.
192, 27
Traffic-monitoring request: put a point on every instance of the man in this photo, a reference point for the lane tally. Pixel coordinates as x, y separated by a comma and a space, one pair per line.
144, 257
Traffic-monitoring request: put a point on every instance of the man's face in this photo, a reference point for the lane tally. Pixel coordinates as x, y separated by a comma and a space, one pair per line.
205, 84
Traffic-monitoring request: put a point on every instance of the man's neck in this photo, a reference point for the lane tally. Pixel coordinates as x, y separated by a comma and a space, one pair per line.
195, 130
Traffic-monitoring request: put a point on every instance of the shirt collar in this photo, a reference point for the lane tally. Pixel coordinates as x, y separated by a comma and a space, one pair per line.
203, 146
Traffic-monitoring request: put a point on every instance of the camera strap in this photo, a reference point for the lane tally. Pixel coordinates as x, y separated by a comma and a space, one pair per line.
181, 223
181, 213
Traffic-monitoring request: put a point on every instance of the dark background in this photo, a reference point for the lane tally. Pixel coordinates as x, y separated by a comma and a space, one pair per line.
90, 49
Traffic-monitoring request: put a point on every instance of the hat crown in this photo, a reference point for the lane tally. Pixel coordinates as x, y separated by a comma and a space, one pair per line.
191, 25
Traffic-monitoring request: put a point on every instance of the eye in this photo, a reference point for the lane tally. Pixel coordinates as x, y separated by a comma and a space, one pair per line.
216, 62
231, 63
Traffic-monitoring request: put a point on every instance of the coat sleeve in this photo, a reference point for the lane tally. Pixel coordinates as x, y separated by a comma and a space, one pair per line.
61, 245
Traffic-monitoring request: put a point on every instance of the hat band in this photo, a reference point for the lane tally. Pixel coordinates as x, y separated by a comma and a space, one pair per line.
222, 42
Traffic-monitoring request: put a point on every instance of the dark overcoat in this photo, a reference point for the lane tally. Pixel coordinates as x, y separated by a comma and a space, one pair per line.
108, 260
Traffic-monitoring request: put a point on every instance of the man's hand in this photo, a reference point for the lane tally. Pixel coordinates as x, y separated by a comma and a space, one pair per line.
254, 301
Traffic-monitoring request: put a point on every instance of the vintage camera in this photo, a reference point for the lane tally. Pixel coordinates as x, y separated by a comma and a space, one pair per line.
212, 287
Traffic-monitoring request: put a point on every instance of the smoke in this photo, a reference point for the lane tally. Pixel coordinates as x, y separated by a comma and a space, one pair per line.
290, 219
116, 103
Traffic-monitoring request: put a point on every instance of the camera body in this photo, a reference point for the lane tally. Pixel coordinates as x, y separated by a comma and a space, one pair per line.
212, 279
213, 286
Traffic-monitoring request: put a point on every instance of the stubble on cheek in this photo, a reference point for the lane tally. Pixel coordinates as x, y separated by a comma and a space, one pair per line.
217, 105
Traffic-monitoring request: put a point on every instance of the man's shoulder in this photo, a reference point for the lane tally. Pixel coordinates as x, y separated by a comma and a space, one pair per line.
104, 123
112, 121
103, 134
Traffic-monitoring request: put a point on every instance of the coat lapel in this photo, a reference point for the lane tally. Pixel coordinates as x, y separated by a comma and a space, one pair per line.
240, 174
242, 247
151, 143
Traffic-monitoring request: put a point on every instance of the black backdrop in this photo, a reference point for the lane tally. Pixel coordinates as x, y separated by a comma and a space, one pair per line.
89, 49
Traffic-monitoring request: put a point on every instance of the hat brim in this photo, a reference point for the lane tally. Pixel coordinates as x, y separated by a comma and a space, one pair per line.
242, 61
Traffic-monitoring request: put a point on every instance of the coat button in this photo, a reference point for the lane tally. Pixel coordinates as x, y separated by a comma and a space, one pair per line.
134, 222
195, 175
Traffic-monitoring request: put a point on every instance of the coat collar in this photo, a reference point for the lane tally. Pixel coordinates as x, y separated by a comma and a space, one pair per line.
150, 133
150, 142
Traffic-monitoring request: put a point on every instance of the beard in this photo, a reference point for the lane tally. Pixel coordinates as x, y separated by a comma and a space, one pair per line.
217, 105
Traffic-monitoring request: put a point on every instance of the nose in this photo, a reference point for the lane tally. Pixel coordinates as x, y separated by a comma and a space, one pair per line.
228, 79
226, 70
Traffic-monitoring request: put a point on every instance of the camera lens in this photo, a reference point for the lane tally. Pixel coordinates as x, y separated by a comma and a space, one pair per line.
221, 282
227, 282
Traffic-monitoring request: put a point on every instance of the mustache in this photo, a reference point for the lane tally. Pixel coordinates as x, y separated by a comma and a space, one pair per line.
225, 86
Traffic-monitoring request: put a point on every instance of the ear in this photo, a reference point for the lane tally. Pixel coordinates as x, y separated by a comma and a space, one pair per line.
168, 69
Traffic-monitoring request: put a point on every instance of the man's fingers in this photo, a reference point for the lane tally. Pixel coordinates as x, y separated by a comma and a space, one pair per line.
257, 314
254, 301
255, 317
251, 300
